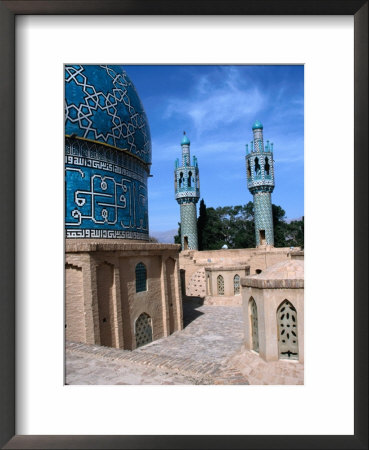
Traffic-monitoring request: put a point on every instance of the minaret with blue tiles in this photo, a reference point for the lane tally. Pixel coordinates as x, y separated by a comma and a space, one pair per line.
187, 193
260, 181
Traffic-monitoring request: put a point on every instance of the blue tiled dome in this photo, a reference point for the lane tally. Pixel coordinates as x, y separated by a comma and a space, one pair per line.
257, 125
102, 106
185, 140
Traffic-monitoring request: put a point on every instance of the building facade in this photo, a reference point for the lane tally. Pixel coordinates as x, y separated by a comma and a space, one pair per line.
121, 290
260, 182
273, 310
187, 194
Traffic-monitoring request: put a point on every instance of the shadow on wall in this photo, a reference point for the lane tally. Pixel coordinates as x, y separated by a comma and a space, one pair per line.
190, 312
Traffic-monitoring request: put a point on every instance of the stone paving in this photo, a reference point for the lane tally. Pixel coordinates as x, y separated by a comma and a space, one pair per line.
207, 351
195, 355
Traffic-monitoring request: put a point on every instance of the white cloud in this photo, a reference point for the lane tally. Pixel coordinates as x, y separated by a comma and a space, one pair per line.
213, 106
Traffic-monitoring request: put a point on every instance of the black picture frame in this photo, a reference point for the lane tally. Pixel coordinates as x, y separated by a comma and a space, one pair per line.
8, 12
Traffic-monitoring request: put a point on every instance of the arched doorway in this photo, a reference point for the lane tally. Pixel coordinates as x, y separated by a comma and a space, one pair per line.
143, 330
105, 302
288, 346
254, 325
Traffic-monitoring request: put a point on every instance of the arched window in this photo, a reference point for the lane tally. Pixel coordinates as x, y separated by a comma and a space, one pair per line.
189, 179
266, 166
236, 284
141, 277
220, 285
253, 311
143, 330
248, 169
180, 179
287, 331
257, 166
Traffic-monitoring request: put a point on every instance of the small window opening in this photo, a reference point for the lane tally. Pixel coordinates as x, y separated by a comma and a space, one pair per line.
141, 277
180, 179
257, 166
267, 167
185, 242
248, 169
189, 179
262, 236
258, 271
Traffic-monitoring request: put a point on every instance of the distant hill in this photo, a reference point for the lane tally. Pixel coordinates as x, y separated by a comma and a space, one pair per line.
293, 220
164, 237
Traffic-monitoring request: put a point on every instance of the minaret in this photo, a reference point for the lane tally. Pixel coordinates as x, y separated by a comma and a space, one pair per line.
260, 181
187, 192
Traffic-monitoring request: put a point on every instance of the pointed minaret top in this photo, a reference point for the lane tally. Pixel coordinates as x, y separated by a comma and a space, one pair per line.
185, 140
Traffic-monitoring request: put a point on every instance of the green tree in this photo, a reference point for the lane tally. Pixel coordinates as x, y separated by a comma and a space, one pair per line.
177, 237
235, 227
201, 223
280, 226
295, 236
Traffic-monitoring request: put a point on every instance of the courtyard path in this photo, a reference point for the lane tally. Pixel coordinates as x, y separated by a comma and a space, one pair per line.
196, 355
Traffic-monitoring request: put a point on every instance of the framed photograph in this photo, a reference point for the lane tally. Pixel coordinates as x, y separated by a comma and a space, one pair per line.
40, 39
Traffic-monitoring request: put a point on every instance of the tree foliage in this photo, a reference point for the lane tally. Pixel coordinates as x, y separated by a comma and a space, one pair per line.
234, 226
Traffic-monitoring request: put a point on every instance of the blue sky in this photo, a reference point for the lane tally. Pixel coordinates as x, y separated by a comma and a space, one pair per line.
216, 106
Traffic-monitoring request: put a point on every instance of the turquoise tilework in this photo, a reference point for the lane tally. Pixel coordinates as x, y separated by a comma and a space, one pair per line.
187, 194
260, 182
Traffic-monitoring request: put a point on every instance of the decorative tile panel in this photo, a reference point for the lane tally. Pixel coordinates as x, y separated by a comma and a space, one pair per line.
102, 105
260, 182
104, 199
187, 194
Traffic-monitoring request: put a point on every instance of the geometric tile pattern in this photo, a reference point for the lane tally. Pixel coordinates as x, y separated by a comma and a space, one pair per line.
104, 199
263, 217
189, 225
102, 104
260, 182
187, 194
141, 277
143, 330
107, 155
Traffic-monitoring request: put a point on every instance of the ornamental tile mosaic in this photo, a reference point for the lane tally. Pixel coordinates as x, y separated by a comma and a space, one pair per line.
260, 182
187, 194
189, 226
107, 155
104, 199
101, 104
263, 218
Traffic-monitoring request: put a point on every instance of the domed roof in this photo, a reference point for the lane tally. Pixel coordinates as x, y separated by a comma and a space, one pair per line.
285, 274
257, 125
185, 140
102, 105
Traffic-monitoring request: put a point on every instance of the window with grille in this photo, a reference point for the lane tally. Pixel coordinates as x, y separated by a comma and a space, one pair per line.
220, 285
236, 284
143, 330
287, 331
141, 277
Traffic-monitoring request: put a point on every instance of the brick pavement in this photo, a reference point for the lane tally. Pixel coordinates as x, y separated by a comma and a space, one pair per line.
199, 354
